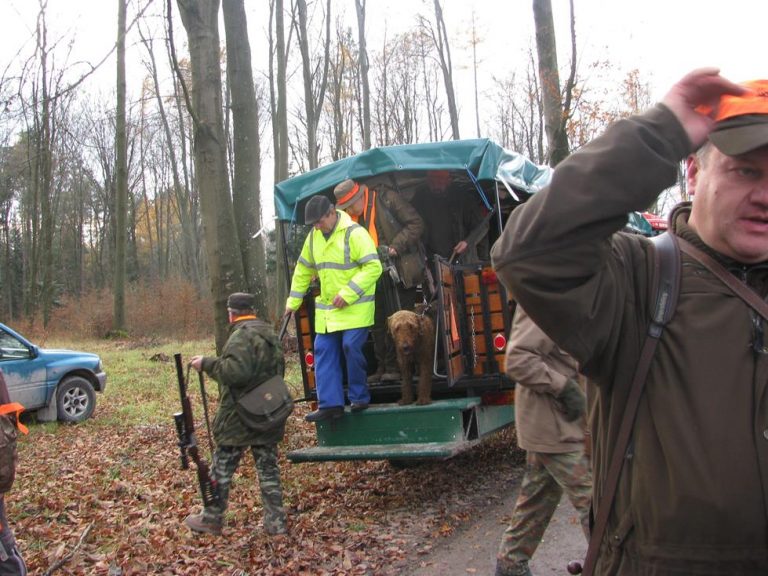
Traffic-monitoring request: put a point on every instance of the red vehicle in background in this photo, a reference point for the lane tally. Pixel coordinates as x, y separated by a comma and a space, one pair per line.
658, 223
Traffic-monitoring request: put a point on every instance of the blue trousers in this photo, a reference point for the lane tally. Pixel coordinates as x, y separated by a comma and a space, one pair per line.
328, 369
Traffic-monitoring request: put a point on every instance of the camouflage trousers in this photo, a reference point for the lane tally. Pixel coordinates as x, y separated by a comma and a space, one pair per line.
547, 476
11, 562
225, 462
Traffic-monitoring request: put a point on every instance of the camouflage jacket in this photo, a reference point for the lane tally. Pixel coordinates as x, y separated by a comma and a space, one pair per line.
251, 355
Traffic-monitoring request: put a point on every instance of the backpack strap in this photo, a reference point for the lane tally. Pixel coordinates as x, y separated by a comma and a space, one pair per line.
738, 288
665, 291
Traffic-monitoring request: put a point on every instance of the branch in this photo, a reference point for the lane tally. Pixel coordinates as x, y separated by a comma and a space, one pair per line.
61, 561
572, 76
177, 70
98, 65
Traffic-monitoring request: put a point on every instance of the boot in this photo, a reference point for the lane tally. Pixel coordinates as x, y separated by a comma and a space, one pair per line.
205, 523
375, 378
321, 414
507, 568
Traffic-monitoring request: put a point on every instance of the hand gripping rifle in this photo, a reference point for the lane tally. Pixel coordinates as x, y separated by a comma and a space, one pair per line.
185, 428
390, 278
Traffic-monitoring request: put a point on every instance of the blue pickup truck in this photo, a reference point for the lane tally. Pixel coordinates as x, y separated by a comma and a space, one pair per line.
58, 384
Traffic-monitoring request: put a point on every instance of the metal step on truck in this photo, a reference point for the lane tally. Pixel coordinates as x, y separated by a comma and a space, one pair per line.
471, 395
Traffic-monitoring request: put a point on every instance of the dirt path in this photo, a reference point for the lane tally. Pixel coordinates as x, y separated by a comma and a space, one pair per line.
472, 550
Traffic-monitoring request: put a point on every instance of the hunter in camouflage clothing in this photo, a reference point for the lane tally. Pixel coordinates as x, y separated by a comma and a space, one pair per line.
252, 354
549, 413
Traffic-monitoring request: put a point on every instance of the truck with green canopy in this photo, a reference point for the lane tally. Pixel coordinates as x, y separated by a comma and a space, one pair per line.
472, 396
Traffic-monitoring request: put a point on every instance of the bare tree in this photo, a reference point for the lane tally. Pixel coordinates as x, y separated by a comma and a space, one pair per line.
121, 148
343, 82
279, 98
315, 75
556, 108
362, 58
439, 35
475, 40
180, 198
246, 192
225, 267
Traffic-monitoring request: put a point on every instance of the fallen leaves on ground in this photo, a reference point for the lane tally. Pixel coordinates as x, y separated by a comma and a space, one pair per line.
345, 518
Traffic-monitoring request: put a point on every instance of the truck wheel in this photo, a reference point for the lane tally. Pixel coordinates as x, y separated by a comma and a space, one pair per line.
75, 399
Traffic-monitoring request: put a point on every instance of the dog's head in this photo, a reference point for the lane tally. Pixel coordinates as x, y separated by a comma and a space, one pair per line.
405, 327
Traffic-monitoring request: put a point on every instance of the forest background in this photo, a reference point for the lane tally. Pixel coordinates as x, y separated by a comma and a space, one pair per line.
158, 200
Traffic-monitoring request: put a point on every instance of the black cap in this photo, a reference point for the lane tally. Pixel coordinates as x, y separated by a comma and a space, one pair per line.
240, 301
317, 207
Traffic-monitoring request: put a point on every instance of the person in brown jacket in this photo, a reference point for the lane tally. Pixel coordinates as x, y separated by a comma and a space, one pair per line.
692, 496
549, 418
396, 228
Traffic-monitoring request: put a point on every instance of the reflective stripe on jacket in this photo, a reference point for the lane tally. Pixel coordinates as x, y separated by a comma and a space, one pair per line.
346, 264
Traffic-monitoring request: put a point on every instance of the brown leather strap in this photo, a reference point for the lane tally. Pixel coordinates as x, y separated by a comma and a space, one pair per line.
666, 282
671, 276
736, 286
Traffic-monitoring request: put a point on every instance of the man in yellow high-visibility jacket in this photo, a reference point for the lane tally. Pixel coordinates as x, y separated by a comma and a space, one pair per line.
343, 256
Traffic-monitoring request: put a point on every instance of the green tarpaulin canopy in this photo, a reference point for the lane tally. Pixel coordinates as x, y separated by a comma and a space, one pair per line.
484, 158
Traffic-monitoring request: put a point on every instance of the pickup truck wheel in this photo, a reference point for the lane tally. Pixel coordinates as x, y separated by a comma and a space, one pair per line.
75, 399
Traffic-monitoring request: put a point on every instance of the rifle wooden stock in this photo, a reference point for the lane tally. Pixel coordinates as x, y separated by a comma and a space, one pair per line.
185, 428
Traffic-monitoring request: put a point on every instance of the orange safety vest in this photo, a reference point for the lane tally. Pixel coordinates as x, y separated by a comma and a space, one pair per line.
369, 219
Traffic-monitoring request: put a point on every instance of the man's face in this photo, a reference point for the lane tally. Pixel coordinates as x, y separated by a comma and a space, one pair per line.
356, 208
730, 202
326, 222
438, 181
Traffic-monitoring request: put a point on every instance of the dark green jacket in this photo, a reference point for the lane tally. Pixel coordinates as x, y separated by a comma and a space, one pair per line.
451, 216
399, 225
693, 496
251, 355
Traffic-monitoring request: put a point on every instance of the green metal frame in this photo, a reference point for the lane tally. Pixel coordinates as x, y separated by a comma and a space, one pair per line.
438, 430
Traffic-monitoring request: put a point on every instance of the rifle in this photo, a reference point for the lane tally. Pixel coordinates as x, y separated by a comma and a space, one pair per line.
185, 428
283, 326
390, 279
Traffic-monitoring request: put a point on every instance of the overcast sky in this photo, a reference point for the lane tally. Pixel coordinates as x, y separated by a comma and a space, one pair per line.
663, 39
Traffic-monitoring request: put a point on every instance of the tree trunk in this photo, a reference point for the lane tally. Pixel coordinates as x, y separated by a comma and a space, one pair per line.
314, 88
280, 128
363, 59
121, 153
444, 53
554, 113
246, 194
200, 19
45, 174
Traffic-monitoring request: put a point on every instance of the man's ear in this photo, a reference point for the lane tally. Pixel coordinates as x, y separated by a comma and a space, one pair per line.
692, 168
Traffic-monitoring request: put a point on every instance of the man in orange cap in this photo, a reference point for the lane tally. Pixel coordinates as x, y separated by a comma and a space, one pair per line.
396, 229
692, 486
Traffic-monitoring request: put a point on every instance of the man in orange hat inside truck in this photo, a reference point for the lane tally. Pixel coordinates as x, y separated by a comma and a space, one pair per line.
692, 491
395, 227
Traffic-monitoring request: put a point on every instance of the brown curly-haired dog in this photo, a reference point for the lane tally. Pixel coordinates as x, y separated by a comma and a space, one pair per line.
414, 337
